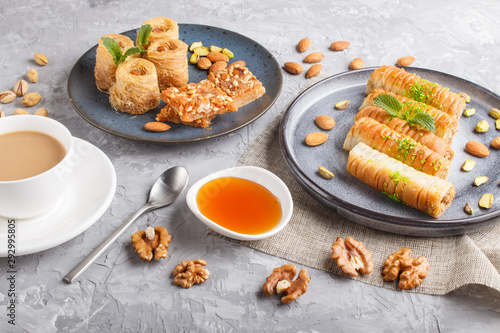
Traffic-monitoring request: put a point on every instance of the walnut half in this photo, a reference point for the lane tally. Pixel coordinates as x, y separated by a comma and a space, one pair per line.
190, 272
411, 271
352, 256
280, 281
156, 240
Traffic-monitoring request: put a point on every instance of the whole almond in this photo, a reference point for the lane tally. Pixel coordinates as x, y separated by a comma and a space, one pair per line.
340, 45
217, 56
316, 138
156, 126
303, 45
217, 66
405, 61
357, 63
293, 67
31, 99
7, 96
2, 114
495, 143
314, 57
477, 149
314, 70
41, 112
325, 122
239, 63
204, 63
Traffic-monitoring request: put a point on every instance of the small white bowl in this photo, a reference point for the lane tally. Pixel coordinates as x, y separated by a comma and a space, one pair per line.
258, 175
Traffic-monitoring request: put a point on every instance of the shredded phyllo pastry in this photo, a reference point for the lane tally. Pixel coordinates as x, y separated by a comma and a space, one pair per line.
136, 89
161, 28
170, 60
105, 67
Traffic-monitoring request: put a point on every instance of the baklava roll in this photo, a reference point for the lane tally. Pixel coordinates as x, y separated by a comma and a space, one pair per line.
161, 28
400, 82
402, 183
400, 147
416, 132
170, 59
136, 88
446, 126
105, 67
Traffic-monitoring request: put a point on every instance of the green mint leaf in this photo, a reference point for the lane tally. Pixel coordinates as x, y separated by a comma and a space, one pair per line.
389, 103
423, 119
132, 50
143, 34
113, 49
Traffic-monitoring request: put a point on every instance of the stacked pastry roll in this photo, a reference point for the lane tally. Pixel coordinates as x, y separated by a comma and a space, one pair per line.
405, 161
105, 67
162, 28
170, 59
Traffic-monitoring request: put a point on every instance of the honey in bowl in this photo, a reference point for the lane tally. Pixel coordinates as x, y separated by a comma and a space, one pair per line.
239, 205
25, 154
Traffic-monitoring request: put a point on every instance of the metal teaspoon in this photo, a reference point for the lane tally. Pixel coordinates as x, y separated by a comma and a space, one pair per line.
164, 191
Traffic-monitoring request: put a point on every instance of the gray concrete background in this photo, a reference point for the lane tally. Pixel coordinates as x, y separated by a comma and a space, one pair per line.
121, 293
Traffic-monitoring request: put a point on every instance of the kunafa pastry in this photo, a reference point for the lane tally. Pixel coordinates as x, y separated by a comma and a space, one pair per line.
400, 82
416, 132
446, 126
105, 67
239, 83
195, 104
429, 194
136, 88
170, 59
162, 28
400, 147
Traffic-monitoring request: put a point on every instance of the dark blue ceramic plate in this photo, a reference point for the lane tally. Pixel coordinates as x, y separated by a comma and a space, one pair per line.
363, 204
93, 105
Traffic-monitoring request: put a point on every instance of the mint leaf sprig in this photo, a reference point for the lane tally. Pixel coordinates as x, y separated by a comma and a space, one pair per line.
393, 107
115, 50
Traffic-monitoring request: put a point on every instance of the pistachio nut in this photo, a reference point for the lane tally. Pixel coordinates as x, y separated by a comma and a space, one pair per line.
31, 99
469, 112
497, 124
21, 87
32, 75
194, 58
195, 45
468, 209
20, 111
468, 165
41, 59
201, 51
325, 173
214, 48
41, 112
7, 96
228, 53
465, 97
480, 180
495, 113
486, 201
342, 105
482, 126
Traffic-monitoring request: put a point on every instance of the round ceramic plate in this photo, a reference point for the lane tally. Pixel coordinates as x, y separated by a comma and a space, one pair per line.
89, 194
363, 204
93, 105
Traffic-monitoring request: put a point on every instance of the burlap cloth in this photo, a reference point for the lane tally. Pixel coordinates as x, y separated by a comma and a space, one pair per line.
307, 239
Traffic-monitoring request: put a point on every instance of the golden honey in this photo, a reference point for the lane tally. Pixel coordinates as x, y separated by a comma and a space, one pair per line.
239, 205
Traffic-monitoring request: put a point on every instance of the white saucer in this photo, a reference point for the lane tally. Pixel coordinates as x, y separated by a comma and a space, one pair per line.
88, 196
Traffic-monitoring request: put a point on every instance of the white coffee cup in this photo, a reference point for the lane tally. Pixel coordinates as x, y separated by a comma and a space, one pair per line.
33, 196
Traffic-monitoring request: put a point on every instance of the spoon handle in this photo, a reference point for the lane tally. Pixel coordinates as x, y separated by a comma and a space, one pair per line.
89, 260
